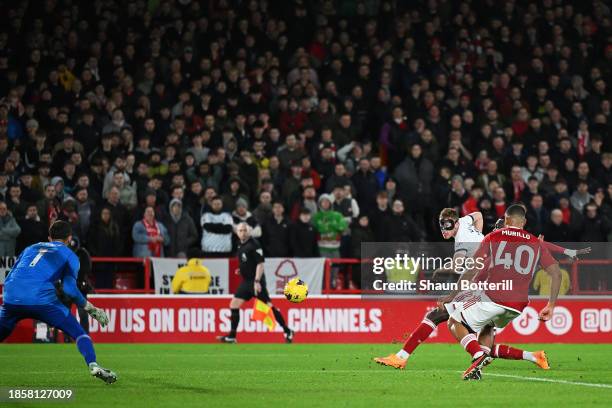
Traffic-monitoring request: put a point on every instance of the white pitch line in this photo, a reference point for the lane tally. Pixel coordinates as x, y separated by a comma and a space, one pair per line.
596, 385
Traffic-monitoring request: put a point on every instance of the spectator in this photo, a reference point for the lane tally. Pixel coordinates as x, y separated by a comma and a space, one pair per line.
377, 218
217, 228
33, 230
594, 227
289, 153
400, 227
516, 185
489, 217
191, 278
360, 232
16, 205
149, 235
308, 201
581, 196
276, 233
85, 209
264, 209
48, 207
9, 231
242, 214
329, 225
105, 240
571, 216
326, 99
415, 175
339, 178
303, 236
366, 186
556, 230
182, 231
127, 193
537, 216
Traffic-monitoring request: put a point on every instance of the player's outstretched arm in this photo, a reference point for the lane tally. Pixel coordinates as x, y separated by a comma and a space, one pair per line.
571, 253
555, 285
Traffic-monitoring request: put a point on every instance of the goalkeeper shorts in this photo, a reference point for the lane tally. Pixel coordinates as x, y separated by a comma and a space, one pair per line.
54, 314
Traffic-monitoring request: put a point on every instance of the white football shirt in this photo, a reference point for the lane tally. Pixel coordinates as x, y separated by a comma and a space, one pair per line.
468, 237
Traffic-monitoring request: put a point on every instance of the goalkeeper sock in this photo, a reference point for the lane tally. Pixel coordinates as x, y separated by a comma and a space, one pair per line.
510, 353
86, 348
419, 335
280, 319
471, 345
235, 320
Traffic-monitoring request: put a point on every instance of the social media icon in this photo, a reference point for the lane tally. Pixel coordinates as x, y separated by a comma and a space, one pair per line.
561, 321
527, 323
589, 320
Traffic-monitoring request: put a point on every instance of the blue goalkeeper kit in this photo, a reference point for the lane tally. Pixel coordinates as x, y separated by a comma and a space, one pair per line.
32, 279
29, 292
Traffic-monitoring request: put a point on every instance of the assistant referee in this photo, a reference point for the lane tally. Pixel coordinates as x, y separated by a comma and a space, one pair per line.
251, 259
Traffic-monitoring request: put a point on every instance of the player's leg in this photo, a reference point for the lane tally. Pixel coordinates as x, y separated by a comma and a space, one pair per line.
8, 320
469, 342
465, 337
486, 338
429, 323
58, 315
469, 318
507, 352
422, 332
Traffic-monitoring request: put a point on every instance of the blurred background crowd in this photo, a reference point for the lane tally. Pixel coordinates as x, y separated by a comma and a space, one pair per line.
154, 127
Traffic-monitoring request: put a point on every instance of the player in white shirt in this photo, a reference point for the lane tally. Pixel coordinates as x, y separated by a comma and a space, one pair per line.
467, 232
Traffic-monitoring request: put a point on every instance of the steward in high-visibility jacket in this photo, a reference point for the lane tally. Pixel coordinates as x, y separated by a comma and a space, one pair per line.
191, 278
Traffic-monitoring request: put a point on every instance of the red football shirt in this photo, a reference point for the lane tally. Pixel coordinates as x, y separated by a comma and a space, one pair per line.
512, 254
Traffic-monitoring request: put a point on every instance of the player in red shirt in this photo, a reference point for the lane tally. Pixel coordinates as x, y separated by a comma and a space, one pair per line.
511, 256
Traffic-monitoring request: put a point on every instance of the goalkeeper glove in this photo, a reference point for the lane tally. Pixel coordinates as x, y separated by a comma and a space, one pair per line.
96, 313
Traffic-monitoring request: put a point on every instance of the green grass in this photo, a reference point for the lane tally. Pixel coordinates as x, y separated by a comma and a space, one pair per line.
299, 375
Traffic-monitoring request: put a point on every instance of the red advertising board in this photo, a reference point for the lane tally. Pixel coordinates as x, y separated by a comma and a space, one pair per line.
324, 319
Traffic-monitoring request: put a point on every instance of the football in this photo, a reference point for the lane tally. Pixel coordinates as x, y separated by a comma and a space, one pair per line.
296, 290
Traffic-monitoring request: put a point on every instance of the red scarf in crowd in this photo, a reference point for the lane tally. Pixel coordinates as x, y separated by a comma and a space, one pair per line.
153, 231
567, 215
500, 209
519, 186
583, 141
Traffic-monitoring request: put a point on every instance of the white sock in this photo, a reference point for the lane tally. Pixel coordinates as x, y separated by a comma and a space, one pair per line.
528, 355
403, 354
478, 354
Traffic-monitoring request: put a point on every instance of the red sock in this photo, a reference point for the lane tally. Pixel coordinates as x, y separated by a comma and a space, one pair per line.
471, 345
507, 352
419, 335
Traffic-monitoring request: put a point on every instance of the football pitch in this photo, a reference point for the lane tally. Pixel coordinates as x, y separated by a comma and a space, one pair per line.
300, 375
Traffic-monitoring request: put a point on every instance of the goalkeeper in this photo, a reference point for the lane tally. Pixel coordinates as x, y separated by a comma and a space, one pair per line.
29, 293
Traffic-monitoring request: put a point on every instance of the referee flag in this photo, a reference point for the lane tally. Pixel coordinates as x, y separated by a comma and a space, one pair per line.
264, 313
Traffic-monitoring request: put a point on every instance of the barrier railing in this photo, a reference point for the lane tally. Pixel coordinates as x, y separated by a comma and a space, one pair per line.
345, 264
574, 266
146, 270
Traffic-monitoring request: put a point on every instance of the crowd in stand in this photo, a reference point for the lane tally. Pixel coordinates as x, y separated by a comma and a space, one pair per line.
154, 127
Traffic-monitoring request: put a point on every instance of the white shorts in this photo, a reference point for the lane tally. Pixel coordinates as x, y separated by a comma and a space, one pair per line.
460, 298
478, 311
